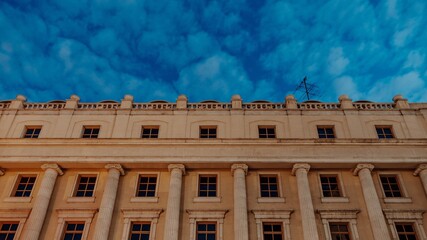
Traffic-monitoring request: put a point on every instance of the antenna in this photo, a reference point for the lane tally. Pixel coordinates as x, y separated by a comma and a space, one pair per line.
306, 89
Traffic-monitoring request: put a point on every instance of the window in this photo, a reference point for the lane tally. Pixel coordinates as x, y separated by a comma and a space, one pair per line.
85, 186
330, 185
24, 185
339, 231
406, 231
150, 132
272, 231
146, 186
140, 231
32, 132
267, 131
325, 132
269, 186
405, 224
384, 132
73, 230
207, 185
390, 186
90, 132
207, 131
8, 230
206, 231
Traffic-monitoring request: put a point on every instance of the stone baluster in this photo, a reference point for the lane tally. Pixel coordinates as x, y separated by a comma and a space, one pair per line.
241, 228
174, 201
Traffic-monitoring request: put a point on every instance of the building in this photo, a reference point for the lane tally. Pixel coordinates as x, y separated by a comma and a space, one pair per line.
209, 170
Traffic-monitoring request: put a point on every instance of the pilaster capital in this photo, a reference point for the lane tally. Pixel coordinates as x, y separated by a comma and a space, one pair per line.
417, 171
236, 166
53, 166
361, 166
115, 166
297, 166
180, 167
1, 172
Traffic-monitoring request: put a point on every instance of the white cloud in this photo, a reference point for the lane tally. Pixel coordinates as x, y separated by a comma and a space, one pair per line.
337, 62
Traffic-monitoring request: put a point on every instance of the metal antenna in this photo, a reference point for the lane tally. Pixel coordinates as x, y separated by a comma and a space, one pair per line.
308, 89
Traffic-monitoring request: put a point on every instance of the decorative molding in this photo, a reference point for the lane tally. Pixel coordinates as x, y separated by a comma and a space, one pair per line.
115, 166
236, 166
282, 216
206, 215
361, 166
417, 171
343, 215
16, 215
414, 216
53, 166
177, 166
79, 214
303, 166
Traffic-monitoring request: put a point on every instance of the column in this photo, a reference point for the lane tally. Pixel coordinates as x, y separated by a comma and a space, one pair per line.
239, 172
103, 222
173, 208
35, 221
422, 172
309, 227
373, 206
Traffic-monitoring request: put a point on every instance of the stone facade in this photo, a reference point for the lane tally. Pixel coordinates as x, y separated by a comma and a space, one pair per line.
242, 171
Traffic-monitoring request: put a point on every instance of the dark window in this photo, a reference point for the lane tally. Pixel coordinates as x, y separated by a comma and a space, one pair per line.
8, 230
90, 132
325, 132
32, 132
406, 231
390, 186
206, 231
330, 186
207, 132
384, 132
339, 231
24, 186
272, 231
269, 186
85, 186
146, 186
73, 230
140, 231
207, 185
150, 132
267, 132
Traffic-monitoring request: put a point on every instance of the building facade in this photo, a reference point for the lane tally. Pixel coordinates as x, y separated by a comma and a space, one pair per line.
213, 171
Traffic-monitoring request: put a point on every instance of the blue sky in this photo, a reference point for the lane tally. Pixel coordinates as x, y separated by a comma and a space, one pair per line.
212, 49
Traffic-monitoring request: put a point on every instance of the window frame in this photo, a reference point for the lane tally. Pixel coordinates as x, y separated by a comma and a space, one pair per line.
200, 199
273, 216
347, 224
74, 232
11, 192
404, 198
208, 134
414, 216
207, 215
275, 223
84, 127
73, 198
154, 199
343, 198
267, 135
142, 223
140, 215
339, 216
15, 215
207, 231
393, 135
28, 127
73, 215
324, 127
280, 198
151, 127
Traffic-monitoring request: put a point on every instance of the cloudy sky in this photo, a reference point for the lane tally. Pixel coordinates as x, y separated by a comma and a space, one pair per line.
212, 49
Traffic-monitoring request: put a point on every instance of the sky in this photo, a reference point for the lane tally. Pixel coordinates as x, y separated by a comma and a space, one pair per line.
212, 49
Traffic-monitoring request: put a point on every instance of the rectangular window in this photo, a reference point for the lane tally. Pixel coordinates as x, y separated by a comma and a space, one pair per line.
207, 132
330, 186
73, 230
267, 131
32, 132
325, 132
272, 231
90, 132
24, 185
140, 231
207, 186
269, 186
85, 186
390, 186
146, 186
8, 230
384, 132
339, 231
150, 132
206, 231
406, 231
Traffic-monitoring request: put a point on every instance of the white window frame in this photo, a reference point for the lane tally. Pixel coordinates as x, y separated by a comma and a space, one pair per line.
280, 199
404, 198
140, 215
279, 216
216, 199
15, 215
346, 216
28, 199
343, 198
206, 216
73, 199
413, 216
154, 199
74, 215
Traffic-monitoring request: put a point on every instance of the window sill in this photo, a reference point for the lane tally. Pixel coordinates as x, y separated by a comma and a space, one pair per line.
398, 200
207, 199
18, 199
335, 200
271, 200
80, 199
144, 199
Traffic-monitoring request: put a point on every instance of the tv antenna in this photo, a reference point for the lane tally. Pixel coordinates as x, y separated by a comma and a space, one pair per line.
306, 89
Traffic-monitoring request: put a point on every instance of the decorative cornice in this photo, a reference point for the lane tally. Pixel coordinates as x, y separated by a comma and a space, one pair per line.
361, 166
53, 166
419, 169
115, 166
177, 166
298, 166
236, 166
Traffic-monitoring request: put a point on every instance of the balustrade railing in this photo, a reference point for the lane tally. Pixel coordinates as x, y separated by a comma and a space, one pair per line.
92, 106
40, 106
4, 105
374, 106
263, 106
318, 106
154, 106
209, 106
